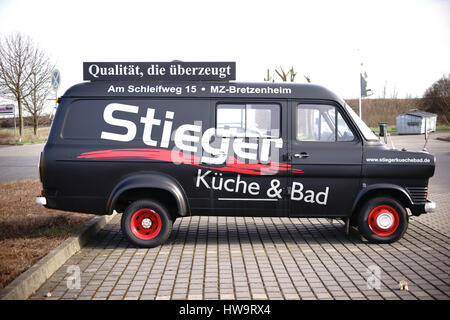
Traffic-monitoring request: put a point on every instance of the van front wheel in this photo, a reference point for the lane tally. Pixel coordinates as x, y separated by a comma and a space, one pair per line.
382, 220
146, 223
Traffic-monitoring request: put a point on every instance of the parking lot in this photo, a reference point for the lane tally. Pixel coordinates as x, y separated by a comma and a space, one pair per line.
269, 258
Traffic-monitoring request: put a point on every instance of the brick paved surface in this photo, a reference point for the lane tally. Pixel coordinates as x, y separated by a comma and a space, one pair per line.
439, 183
268, 258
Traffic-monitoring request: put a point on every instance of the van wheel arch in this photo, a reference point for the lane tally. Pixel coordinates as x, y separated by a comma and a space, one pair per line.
158, 186
163, 196
396, 193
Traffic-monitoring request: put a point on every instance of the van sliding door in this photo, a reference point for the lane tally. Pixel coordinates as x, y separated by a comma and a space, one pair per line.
251, 136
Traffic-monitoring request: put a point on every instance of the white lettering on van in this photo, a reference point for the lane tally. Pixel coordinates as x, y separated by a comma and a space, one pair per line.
239, 145
167, 129
265, 148
148, 122
218, 183
310, 196
218, 89
211, 148
116, 89
201, 178
129, 125
219, 155
181, 136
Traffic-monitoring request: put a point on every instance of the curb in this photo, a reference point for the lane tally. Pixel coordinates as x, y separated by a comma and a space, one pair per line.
32, 279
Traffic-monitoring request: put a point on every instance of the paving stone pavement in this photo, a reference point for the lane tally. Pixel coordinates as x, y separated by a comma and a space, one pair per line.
440, 183
267, 258
257, 258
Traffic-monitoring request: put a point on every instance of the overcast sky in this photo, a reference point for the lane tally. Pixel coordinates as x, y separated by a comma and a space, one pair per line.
403, 44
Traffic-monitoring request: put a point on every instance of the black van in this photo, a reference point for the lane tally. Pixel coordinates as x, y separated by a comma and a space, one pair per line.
156, 151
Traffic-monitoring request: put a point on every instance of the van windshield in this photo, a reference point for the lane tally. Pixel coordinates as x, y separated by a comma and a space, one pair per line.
366, 131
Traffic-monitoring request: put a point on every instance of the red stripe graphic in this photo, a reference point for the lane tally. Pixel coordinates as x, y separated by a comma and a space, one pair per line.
232, 165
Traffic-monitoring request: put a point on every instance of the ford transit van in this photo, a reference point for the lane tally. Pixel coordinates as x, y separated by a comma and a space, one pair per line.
156, 151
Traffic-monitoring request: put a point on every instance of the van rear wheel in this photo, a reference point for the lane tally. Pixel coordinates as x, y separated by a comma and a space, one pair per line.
382, 220
146, 223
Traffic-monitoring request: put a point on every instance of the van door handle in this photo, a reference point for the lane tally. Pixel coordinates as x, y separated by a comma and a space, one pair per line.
301, 155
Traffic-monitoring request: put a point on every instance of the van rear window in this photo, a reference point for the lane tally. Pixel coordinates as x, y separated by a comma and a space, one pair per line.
248, 120
116, 121
84, 120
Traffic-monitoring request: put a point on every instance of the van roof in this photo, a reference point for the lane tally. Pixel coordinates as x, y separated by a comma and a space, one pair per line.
273, 90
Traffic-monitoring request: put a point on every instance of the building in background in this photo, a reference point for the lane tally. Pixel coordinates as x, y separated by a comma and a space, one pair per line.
416, 122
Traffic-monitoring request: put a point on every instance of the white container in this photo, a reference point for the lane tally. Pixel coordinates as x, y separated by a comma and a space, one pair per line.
416, 122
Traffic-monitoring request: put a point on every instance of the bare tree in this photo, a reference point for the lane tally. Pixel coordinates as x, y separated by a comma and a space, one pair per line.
268, 77
20, 60
285, 76
40, 89
437, 99
292, 74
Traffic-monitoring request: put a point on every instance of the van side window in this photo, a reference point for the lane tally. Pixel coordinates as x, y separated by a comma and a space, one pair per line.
343, 131
248, 120
319, 123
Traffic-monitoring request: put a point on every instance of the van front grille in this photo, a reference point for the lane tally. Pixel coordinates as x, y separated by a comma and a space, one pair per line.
418, 194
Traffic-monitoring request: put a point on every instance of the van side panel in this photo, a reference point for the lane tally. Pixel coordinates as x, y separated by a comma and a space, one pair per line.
90, 151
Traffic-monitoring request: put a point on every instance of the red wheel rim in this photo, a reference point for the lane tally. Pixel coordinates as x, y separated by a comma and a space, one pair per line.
145, 224
383, 220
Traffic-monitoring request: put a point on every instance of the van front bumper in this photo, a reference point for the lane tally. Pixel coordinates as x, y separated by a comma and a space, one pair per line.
419, 208
41, 201
430, 206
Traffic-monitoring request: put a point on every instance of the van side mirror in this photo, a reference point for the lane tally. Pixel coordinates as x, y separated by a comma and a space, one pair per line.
427, 136
383, 130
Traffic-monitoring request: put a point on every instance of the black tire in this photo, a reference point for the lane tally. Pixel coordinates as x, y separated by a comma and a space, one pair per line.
392, 210
148, 237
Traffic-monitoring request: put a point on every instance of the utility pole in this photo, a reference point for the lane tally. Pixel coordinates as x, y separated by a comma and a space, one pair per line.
360, 89
360, 102
56, 80
363, 90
